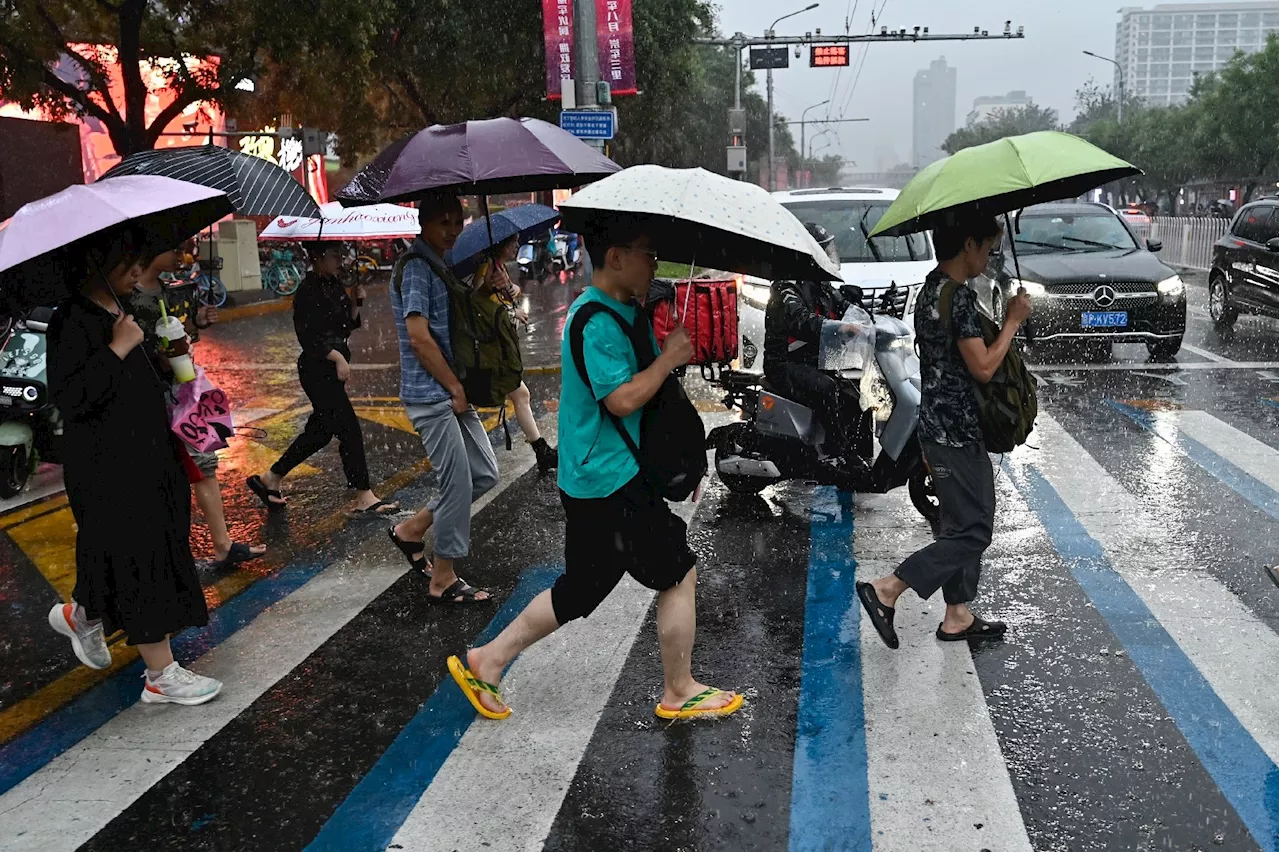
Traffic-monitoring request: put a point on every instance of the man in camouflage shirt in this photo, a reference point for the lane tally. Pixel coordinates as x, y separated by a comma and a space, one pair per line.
953, 356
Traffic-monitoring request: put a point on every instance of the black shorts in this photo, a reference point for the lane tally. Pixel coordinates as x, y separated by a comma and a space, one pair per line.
632, 531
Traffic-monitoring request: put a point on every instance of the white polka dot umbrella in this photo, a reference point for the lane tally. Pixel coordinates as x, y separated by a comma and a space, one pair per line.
695, 216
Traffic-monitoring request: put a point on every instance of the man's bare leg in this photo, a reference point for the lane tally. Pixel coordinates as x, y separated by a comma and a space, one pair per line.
488, 662
677, 624
209, 499
415, 529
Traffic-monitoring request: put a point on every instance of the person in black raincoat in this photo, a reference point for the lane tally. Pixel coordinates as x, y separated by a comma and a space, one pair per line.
125, 485
792, 328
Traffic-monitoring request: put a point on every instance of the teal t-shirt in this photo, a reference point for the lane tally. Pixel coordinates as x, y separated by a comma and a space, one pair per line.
594, 461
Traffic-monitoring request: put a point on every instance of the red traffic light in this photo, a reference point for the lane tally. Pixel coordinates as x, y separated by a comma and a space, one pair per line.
828, 55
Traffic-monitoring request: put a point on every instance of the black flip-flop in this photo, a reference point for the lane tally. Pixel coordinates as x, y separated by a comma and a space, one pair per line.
461, 593
881, 616
376, 510
980, 629
238, 554
409, 548
259, 488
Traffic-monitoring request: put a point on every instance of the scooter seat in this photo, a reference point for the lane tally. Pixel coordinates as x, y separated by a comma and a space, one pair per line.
44, 315
738, 380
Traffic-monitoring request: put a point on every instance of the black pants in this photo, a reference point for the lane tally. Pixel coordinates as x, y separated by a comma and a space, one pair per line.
632, 531
331, 416
809, 386
966, 489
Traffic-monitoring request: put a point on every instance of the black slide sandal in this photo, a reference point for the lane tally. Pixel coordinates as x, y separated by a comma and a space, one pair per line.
381, 509
238, 554
461, 593
980, 629
409, 548
881, 616
263, 493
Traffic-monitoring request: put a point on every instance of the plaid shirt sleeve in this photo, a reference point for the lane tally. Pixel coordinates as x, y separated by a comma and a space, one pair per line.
425, 294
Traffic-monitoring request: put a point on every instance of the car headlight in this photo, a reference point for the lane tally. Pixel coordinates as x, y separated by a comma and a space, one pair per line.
1171, 288
755, 295
1034, 289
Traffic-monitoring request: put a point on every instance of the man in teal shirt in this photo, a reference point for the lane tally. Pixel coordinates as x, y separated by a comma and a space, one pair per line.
615, 523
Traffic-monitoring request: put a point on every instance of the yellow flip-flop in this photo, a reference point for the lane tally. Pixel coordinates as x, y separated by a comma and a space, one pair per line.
689, 710
472, 686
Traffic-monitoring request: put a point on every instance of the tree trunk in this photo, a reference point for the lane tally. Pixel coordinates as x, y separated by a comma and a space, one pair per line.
135, 89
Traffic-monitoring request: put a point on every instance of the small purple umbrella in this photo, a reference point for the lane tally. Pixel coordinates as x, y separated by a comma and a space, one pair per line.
46, 238
489, 157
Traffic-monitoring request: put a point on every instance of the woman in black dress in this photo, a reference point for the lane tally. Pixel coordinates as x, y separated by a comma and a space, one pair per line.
127, 491
323, 318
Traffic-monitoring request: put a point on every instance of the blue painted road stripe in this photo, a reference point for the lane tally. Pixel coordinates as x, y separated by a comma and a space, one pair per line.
26, 753
1270, 402
1242, 771
829, 793
1257, 493
373, 812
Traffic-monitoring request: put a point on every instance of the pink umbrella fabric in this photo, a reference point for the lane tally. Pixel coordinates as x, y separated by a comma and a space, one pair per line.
46, 238
488, 157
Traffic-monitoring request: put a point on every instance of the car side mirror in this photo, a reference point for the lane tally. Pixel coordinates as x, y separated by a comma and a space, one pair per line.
1273, 245
1154, 245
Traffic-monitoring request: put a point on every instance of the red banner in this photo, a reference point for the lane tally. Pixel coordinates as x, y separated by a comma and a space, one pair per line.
557, 38
615, 43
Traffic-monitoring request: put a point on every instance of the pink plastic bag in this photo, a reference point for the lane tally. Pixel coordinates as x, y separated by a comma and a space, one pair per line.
200, 414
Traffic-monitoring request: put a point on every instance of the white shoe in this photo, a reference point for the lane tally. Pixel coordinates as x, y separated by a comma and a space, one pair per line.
87, 641
176, 685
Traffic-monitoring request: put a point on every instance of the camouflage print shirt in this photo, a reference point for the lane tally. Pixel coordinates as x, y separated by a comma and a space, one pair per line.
948, 406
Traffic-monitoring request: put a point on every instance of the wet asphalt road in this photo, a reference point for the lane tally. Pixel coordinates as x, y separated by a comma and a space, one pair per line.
1133, 705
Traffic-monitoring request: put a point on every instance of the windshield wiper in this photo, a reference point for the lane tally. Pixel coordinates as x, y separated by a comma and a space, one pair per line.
866, 235
1107, 246
1046, 245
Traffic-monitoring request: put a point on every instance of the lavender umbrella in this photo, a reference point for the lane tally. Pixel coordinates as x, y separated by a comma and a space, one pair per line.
43, 242
477, 158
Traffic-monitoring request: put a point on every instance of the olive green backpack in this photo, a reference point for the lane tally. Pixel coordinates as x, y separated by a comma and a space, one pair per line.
482, 337
1007, 404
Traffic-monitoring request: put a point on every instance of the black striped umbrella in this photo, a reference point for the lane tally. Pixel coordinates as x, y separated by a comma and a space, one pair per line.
256, 187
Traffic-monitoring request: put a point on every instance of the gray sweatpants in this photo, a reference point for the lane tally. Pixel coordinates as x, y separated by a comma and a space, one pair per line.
966, 489
465, 467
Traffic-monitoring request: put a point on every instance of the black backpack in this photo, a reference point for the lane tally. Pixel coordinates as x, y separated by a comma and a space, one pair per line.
673, 444
1007, 405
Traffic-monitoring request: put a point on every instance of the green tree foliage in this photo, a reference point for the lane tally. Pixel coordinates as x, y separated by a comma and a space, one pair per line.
1002, 123
326, 44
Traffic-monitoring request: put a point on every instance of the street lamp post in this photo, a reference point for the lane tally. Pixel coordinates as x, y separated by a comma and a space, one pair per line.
802, 120
1120, 85
773, 182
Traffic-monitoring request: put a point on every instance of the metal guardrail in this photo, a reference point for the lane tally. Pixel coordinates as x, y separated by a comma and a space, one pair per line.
1188, 241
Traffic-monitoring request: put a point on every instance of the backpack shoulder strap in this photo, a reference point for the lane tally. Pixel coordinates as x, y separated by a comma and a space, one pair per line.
577, 329
397, 272
945, 297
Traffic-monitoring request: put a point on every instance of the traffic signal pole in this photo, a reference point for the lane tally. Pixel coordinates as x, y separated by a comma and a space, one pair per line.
738, 41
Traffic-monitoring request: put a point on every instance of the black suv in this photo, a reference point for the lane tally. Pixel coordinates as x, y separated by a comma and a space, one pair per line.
1243, 276
1090, 280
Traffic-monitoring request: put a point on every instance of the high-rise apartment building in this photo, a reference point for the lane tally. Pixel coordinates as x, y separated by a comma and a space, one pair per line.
1161, 49
933, 112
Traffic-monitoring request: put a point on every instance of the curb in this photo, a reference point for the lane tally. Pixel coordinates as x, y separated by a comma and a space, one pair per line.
255, 309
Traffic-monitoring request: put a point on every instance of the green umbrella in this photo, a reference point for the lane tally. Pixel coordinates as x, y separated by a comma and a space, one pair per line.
1000, 176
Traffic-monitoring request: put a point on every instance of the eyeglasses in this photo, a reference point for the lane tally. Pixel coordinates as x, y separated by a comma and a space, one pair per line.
649, 253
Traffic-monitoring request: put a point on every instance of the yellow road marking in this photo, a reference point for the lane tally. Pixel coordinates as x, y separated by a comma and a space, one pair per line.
387, 416
46, 543
26, 513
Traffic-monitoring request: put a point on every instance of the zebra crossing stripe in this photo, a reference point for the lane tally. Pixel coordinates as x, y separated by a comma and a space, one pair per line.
1240, 449
1221, 694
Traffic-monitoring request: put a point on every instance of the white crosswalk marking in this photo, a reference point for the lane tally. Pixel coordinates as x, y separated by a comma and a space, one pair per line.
1234, 651
935, 770
1242, 450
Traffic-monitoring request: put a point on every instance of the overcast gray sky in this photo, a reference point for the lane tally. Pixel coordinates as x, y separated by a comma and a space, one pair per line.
1048, 63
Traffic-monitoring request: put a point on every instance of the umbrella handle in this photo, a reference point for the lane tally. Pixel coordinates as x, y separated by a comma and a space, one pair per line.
684, 309
1027, 330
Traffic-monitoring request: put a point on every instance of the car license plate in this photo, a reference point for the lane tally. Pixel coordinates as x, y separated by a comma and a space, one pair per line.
1104, 319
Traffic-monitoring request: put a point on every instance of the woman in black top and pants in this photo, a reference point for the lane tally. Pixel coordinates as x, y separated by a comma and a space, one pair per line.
324, 317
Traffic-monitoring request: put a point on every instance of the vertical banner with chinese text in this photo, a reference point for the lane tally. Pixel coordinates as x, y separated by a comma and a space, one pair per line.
615, 44
557, 37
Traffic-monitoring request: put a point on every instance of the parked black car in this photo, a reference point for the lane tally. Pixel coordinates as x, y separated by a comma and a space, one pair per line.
1090, 280
1244, 274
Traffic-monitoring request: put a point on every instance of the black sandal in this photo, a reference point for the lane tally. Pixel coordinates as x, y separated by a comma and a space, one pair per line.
380, 509
461, 593
881, 615
259, 488
238, 554
409, 548
980, 629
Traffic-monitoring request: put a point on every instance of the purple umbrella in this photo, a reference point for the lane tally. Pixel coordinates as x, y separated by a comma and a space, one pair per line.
478, 158
45, 239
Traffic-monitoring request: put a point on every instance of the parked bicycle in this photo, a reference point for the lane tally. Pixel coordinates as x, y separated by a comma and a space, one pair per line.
281, 273
208, 286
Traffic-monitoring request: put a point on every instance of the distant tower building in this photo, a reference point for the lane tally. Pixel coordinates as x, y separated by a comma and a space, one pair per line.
933, 112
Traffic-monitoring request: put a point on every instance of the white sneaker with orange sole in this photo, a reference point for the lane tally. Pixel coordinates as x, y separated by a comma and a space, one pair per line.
176, 685
87, 640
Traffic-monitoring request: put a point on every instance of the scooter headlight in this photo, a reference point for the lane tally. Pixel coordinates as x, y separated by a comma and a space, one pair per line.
30, 393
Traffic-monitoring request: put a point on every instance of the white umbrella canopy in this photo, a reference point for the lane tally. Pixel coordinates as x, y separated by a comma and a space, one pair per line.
375, 222
695, 216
